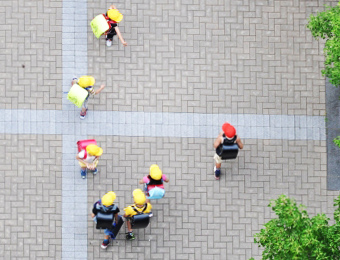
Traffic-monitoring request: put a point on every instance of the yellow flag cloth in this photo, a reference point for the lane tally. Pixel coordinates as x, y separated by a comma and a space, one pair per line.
99, 25
77, 95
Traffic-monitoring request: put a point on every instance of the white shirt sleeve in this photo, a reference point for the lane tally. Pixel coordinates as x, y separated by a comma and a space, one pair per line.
81, 154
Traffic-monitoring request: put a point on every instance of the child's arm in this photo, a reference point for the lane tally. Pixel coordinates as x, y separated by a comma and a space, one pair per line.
116, 217
141, 181
100, 89
94, 211
166, 179
218, 140
120, 36
82, 161
112, 7
239, 142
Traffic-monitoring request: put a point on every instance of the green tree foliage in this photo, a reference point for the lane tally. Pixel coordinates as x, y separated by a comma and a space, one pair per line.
294, 235
326, 25
336, 140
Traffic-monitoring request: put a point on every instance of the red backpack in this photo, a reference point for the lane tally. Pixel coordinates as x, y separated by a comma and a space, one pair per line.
82, 144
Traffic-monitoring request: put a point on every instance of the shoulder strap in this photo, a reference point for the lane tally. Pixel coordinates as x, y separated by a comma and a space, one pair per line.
146, 205
138, 212
133, 207
227, 141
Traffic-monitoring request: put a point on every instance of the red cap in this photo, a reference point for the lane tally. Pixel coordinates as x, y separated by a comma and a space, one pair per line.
229, 130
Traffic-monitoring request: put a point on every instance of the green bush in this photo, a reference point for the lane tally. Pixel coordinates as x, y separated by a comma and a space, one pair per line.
326, 25
294, 235
336, 140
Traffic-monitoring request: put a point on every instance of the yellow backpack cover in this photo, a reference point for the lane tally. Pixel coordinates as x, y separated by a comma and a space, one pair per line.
77, 95
99, 25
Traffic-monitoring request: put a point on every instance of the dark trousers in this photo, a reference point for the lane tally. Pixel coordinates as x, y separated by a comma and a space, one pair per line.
111, 33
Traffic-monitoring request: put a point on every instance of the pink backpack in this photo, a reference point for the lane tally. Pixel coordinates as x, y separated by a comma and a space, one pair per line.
82, 144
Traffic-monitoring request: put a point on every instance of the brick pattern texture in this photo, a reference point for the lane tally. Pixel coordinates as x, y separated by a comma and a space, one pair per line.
30, 195
30, 54
201, 218
211, 57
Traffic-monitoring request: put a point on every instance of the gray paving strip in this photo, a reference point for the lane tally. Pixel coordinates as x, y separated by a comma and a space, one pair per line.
161, 124
74, 189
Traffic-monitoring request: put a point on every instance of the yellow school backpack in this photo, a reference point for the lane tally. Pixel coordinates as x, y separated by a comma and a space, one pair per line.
77, 95
99, 25
86, 81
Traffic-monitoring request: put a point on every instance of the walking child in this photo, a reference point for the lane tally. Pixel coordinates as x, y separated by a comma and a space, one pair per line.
227, 136
88, 159
106, 205
113, 17
154, 187
140, 206
87, 83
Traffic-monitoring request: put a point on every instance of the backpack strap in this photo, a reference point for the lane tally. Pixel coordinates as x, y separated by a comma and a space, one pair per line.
146, 205
138, 212
227, 141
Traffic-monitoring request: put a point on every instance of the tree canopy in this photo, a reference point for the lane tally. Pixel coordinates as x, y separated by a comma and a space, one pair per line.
294, 235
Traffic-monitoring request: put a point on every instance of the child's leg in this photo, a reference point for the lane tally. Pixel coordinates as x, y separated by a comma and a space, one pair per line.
217, 168
129, 225
110, 34
84, 106
83, 172
129, 235
106, 241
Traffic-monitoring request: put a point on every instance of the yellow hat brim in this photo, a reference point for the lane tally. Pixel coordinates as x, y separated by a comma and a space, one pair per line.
115, 15
94, 150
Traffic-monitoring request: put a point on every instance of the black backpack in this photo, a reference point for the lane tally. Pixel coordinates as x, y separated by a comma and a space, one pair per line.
228, 149
141, 220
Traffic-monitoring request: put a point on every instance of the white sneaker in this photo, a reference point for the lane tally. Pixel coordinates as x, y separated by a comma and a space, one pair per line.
108, 43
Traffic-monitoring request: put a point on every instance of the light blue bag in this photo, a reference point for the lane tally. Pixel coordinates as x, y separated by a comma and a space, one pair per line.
156, 193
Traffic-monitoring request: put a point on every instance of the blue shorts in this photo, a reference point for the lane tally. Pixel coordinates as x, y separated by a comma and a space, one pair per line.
108, 232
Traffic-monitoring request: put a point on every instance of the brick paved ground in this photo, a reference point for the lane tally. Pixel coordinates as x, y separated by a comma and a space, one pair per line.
211, 57
30, 196
201, 218
30, 36
183, 56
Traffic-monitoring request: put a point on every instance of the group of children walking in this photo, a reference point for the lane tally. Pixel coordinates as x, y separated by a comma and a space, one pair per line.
140, 206
89, 152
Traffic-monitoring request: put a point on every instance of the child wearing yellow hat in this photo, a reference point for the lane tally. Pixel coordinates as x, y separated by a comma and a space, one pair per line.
88, 159
154, 180
106, 205
113, 17
140, 206
87, 83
